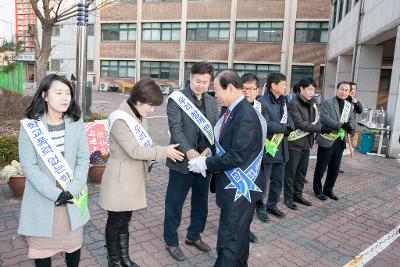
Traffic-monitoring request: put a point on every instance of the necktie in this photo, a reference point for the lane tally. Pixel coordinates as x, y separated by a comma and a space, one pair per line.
226, 114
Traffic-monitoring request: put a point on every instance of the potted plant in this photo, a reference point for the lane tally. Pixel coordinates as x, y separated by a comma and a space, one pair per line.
97, 166
13, 175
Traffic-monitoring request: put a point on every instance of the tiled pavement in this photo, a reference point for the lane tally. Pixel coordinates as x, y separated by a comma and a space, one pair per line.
329, 233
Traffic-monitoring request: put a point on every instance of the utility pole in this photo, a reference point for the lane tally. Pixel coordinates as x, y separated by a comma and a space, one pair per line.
81, 55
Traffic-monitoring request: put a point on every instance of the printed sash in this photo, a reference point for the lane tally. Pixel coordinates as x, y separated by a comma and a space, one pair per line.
197, 117
257, 105
242, 180
271, 146
138, 131
55, 162
343, 118
297, 134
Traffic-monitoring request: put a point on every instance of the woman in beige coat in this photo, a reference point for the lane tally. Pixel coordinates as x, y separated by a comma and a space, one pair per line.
123, 184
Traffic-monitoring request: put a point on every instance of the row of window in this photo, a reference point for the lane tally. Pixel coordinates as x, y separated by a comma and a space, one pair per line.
340, 9
166, 70
306, 32
89, 30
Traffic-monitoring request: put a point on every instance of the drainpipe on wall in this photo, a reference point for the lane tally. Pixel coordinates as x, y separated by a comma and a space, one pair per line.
356, 44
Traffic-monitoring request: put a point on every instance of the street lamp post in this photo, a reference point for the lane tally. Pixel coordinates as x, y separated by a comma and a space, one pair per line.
81, 55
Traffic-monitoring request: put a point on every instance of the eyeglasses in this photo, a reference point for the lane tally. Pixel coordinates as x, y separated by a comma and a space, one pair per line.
244, 89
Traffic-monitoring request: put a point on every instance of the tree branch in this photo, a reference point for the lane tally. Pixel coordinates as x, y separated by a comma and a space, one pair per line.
37, 10
32, 31
58, 8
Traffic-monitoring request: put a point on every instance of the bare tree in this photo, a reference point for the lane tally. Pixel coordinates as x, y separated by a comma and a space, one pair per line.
49, 13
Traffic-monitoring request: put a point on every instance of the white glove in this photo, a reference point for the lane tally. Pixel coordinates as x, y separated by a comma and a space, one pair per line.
198, 165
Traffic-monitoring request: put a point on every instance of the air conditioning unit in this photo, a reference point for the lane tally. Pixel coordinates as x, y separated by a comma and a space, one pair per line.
103, 86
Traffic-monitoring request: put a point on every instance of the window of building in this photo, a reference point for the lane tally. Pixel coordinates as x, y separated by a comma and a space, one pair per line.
56, 30
163, 70
55, 64
217, 67
260, 70
90, 30
348, 6
334, 15
311, 32
118, 31
117, 68
208, 31
162, 1
301, 72
340, 15
89, 65
259, 31
165, 31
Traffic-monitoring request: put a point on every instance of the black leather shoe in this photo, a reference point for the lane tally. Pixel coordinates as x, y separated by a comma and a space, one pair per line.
302, 201
199, 244
291, 205
261, 211
341, 171
331, 195
176, 253
321, 196
305, 181
276, 212
252, 237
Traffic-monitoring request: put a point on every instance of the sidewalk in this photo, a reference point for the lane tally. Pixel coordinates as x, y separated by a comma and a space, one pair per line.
330, 233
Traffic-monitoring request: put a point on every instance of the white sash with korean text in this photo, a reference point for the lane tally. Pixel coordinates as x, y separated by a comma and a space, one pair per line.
53, 159
257, 105
197, 117
297, 134
138, 131
343, 118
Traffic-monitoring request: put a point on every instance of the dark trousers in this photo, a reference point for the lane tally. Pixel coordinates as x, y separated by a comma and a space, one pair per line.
275, 173
331, 158
117, 223
233, 234
178, 188
295, 173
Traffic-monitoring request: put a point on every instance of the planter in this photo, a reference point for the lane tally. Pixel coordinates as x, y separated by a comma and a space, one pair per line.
96, 172
17, 184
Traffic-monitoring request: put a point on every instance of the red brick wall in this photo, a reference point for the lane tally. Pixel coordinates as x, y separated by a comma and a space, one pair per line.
161, 11
160, 50
120, 12
117, 50
313, 9
207, 50
258, 52
260, 9
209, 10
309, 53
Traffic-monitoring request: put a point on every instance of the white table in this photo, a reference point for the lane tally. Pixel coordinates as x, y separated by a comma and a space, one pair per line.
377, 130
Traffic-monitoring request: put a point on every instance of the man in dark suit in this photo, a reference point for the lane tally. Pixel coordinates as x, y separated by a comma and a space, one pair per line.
241, 137
193, 143
330, 147
275, 111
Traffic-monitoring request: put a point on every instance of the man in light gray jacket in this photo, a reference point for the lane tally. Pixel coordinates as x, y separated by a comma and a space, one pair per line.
331, 146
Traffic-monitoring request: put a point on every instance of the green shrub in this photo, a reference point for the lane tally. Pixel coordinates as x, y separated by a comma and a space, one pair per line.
8, 149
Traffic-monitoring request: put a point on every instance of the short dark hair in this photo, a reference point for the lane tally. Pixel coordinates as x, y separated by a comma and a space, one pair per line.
226, 77
296, 88
274, 77
351, 85
146, 91
249, 77
202, 67
307, 82
38, 105
342, 82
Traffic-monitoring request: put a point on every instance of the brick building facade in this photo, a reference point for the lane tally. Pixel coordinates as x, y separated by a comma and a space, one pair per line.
162, 38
